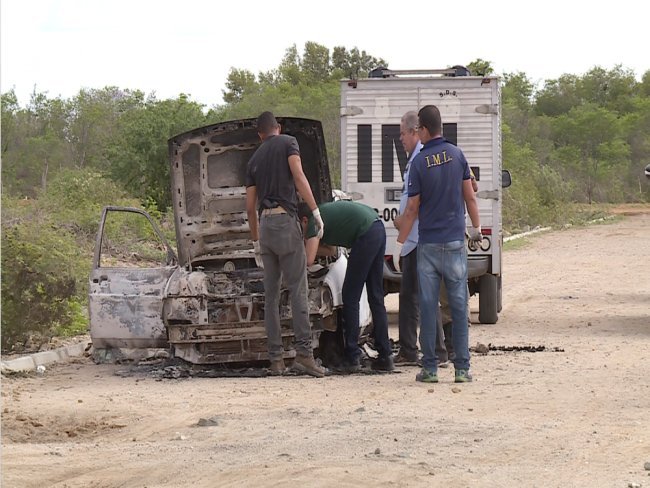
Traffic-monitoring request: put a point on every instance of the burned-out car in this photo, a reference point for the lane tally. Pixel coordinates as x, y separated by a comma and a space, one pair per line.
206, 303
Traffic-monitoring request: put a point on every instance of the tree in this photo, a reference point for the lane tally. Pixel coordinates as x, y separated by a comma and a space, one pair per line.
480, 67
93, 117
299, 87
138, 154
34, 144
353, 63
290, 68
645, 84
516, 96
316, 62
239, 82
9, 107
559, 96
613, 89
517, 91
636, 128
590, 147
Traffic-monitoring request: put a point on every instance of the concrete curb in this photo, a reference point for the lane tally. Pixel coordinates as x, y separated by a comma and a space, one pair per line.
544, 229
524, 234
33, 361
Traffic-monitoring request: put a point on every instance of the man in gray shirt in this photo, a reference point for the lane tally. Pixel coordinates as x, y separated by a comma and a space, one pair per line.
273, 176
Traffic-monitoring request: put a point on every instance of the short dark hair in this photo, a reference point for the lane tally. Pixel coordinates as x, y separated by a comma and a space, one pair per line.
429, 117
303, 210
266, 122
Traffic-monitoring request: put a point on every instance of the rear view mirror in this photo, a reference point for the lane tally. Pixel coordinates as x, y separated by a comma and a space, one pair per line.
506, 180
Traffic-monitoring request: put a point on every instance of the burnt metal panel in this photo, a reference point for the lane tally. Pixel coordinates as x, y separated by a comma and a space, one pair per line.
125, 307
208, 179
218, 317
192, 179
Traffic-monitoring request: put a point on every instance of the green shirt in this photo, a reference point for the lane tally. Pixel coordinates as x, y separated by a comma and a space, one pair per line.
344, 222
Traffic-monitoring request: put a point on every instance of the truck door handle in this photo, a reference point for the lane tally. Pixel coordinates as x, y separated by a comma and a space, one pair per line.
488, 194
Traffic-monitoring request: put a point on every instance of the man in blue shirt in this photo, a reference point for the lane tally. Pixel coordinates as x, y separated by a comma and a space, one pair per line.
439, 188
409, 309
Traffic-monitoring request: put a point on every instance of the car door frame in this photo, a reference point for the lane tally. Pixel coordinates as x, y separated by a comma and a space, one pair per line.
125, 303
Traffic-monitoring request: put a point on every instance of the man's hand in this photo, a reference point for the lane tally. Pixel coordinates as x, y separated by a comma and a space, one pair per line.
258, 254
475, 236
318, 220
397, 254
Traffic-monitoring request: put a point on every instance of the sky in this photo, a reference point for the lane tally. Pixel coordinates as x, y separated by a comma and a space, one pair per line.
171, 47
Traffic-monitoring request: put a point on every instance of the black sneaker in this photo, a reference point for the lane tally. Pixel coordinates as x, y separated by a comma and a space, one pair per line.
406, 359
383, 363
347, 366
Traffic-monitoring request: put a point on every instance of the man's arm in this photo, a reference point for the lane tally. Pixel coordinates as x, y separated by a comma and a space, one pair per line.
474, 184
397, 221
300, 180
473, 178
251, 210
407, 221
470, 200
311, 247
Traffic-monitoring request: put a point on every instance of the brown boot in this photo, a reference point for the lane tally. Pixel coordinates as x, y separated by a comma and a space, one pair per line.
277, 367
307, 364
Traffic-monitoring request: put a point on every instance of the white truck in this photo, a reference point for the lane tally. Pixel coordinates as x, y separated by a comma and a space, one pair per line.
373, 158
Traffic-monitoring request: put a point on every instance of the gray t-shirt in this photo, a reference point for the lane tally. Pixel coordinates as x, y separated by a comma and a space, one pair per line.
269, 171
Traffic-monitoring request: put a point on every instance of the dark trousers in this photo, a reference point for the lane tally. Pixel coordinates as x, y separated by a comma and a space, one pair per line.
366, 266
409, 312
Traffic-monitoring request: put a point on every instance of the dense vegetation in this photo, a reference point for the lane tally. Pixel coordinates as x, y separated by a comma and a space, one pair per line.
578, 139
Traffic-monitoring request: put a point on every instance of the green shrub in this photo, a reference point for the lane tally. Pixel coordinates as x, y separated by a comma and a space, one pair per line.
75, 198
47, 247
41, 270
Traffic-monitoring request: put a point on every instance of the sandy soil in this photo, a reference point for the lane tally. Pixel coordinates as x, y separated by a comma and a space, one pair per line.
575, 416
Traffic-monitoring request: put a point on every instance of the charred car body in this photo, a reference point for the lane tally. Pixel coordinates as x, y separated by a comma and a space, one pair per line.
207, 303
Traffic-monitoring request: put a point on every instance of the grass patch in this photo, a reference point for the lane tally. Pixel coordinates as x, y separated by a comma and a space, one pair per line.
516, 244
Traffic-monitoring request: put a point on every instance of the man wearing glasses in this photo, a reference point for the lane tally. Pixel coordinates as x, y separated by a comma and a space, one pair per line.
409, 309
439, 188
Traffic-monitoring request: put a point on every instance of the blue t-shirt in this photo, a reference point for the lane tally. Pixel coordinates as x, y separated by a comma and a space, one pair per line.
437, 175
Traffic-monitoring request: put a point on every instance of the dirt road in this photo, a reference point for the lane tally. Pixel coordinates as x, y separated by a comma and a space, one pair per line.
579, 417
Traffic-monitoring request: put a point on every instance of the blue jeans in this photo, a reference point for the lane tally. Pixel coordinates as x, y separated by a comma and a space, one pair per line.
409, 312
448, 262
366, 266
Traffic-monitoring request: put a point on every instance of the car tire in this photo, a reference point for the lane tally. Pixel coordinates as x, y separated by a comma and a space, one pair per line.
487, 299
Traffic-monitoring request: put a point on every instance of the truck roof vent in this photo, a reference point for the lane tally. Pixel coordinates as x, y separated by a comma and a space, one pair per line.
380, 72
460, 71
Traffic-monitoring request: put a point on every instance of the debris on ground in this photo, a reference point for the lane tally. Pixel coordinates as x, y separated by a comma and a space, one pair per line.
209, 422
483, 349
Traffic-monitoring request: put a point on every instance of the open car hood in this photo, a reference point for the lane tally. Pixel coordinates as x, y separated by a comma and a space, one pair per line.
208, 183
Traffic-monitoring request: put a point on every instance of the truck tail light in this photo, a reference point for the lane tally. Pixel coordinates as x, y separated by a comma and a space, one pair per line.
388, 258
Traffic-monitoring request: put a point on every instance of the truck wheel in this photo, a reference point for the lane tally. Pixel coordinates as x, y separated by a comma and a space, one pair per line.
499, 295
487, 299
